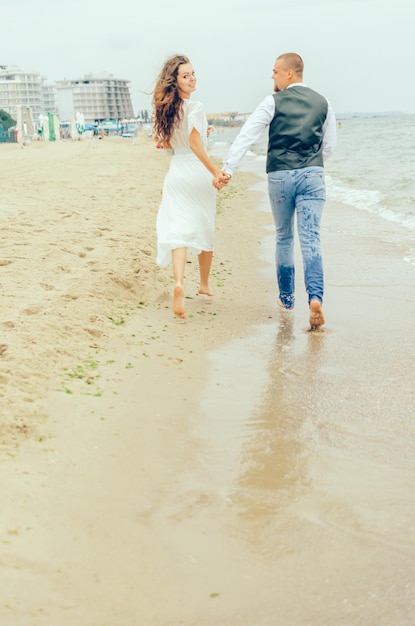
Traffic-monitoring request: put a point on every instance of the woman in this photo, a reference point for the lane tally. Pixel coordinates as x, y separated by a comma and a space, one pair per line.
186, 216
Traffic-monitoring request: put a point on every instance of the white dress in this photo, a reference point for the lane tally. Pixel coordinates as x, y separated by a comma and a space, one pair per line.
186, 216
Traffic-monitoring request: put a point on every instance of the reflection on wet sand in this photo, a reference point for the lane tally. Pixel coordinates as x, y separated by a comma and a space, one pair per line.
273, 460
271, 469
262, 391
306, 477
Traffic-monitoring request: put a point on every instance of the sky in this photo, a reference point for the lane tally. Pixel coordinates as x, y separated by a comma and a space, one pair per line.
358, 53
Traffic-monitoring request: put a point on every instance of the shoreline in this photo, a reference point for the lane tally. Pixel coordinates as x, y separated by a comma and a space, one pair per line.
214, 469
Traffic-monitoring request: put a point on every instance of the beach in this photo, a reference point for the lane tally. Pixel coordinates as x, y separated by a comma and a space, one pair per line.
231, 468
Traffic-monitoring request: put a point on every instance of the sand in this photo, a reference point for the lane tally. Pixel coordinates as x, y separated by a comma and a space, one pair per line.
230, 468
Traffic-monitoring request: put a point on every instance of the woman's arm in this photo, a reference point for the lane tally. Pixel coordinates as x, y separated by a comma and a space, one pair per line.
219, 178
198, 148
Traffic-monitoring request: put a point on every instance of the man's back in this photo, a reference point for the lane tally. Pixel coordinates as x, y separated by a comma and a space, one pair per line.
296, 131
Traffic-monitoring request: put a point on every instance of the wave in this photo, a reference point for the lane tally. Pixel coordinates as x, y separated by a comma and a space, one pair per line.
368, 200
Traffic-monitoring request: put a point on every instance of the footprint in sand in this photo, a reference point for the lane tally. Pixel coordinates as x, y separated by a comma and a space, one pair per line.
70, 296
32, 310
95, 332
47, 287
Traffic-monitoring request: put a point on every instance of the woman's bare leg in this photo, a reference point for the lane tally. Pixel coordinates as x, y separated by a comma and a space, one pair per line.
179, 263
205, 263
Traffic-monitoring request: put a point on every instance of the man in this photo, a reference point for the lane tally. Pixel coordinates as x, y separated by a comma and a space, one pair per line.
302, 135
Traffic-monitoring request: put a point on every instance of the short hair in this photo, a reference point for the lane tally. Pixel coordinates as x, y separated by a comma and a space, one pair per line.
292, 61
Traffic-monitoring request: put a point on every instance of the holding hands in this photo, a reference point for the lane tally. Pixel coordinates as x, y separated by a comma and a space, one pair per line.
221, 180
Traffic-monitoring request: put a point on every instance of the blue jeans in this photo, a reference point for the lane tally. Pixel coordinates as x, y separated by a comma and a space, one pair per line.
300, 191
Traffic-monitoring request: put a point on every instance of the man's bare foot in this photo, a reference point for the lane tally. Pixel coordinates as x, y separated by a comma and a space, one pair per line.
178, 302
316, 314
286, 308
205, 290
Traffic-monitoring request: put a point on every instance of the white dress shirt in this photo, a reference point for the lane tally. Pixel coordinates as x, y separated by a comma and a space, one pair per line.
260, 119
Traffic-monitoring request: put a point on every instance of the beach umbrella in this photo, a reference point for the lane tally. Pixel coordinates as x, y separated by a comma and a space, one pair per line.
45, 126
74, 132
51, 123
80, 124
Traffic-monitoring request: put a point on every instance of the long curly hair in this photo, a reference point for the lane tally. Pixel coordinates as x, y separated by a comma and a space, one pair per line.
167, 103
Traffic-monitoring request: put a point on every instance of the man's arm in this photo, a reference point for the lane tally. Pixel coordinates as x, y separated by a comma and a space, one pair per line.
329, 133
249, 133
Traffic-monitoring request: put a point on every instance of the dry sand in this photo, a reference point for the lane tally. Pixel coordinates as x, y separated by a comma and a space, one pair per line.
228, 469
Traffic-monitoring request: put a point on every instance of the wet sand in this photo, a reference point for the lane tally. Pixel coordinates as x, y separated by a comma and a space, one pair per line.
229, 469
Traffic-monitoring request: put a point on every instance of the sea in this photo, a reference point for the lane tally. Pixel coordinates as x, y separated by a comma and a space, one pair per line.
372, 169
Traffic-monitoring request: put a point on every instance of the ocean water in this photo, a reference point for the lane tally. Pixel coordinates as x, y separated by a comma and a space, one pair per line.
310, 440
372, 169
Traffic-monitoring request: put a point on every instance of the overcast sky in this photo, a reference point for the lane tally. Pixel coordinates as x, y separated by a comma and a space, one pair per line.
359, 53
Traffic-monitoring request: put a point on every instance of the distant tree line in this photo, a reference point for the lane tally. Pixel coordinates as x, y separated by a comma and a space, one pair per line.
214, 121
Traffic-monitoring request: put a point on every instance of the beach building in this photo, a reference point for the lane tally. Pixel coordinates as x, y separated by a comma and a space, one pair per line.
20, 88
98, 97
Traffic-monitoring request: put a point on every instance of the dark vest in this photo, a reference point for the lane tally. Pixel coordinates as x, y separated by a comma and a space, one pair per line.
296, 130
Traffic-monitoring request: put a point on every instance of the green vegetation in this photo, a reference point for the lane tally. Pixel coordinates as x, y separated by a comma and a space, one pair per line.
6, 120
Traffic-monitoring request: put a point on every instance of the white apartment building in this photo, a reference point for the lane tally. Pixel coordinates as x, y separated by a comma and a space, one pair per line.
97, 97
25, 89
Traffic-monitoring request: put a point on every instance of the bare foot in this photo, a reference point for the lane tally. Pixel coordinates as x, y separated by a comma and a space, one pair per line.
204, 289
316, 314
286, 308
178, 302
